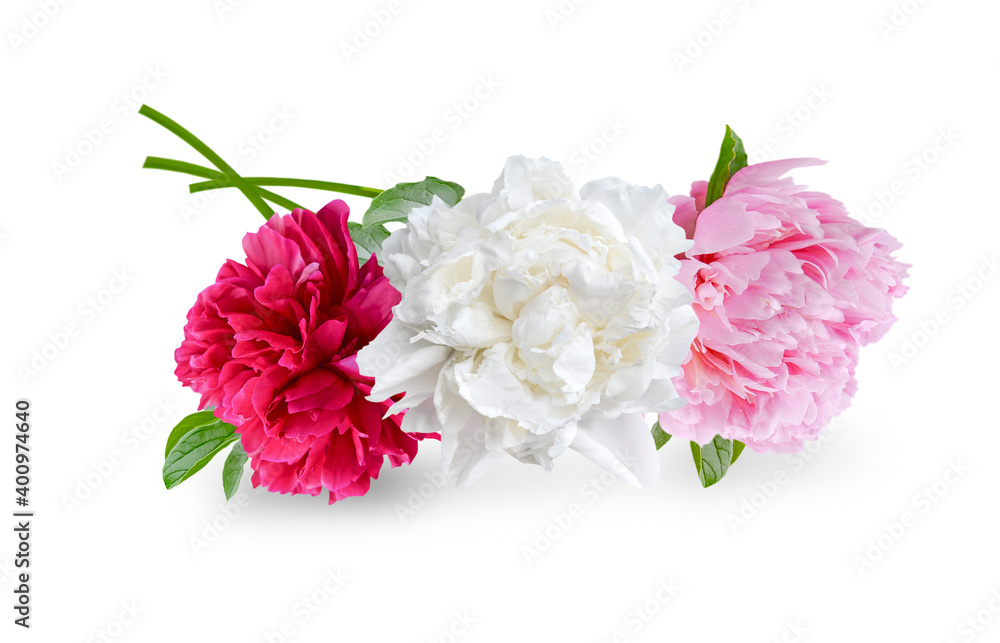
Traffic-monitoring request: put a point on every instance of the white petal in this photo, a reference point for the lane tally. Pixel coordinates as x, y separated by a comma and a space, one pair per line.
464, 454
525, 180
400, 364
490, 387
683, 325
544, 449
623, 446
422, 418
645, 213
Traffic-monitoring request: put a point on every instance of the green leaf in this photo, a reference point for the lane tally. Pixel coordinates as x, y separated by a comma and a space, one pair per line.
732, 159
367, 240
188, 424
660, 437
714, 459
193, 444
232, 471
395, 203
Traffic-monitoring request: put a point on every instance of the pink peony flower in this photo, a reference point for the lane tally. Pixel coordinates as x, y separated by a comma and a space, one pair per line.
787, 287
272, 345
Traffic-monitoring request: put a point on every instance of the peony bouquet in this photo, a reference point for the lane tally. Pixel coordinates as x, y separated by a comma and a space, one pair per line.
527, 320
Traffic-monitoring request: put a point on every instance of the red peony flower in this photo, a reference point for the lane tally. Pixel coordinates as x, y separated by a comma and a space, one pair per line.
272, 345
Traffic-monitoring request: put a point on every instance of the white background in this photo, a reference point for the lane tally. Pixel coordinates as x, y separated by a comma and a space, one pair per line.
881, 97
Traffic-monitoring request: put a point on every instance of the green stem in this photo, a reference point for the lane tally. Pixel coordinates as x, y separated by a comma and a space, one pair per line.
218, 180
235, 179
170, 165
342, 188
279, 200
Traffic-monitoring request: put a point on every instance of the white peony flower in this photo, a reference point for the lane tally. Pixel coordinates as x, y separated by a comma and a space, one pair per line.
534, 319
